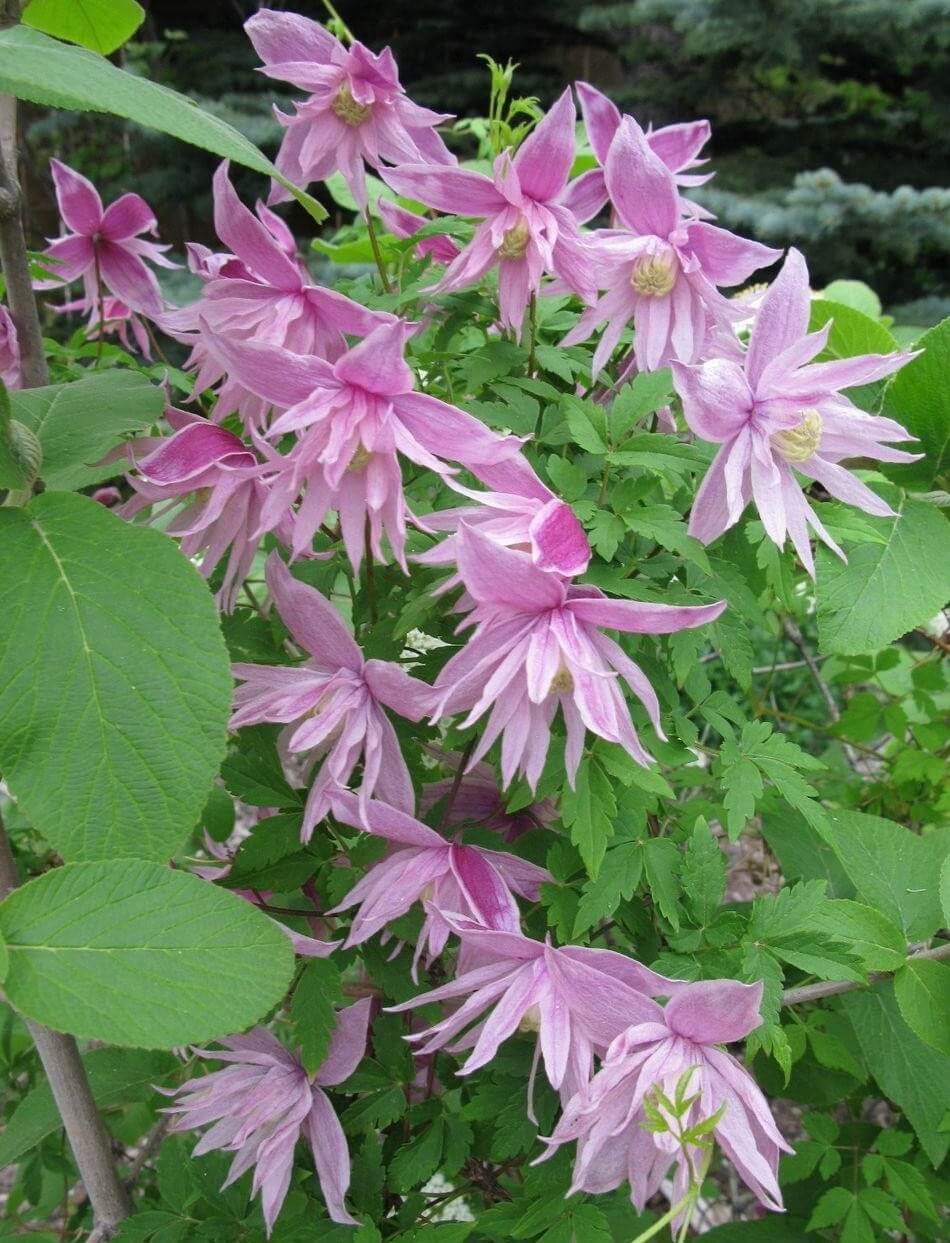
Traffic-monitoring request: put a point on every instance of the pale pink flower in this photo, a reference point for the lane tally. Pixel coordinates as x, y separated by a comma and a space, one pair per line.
607, 1116
662, 270
357, 112
678, 146
331, 706
775, 414
10, 372
117, 320
353, 418
538, 646
105, 244
264, 1102
422, 865
525, 230
577, 1000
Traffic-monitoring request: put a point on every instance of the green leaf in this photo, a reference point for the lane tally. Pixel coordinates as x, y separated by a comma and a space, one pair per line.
918, 398
893, 869
945, 890
661, 453
252, 771
761, 753
922, 989
912, 1074
703, 874
876, 937
831, 1208
617, 880
884, 590
316, 994
852, 331
588, 812
115, 686
855, 294
661, 863
45, 71
134, 953
648, 392
586, 420
415, 1164
907, 1183
116, 1077
101, 25
78, 423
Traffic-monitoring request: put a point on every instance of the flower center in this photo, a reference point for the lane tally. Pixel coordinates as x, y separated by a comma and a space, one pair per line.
530, 1020
654, 275
348, 110
359, 459
562, 682
799, 443
514, 241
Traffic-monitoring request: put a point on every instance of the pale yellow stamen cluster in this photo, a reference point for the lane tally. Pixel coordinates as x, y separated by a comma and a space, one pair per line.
799, 443
348, 110
530, 1020
654, 276
562, 681
514, 242
359, 459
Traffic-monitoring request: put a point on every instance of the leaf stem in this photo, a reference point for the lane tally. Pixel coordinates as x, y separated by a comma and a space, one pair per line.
377, 253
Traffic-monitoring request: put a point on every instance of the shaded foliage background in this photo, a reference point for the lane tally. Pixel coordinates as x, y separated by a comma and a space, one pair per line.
830, 117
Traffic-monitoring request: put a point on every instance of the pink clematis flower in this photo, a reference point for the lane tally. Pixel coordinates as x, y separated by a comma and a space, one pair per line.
664, 271
537, 646
478, 800
777, 413
676, 145
264, 1102
520, 512
607, 1116
353, 418
332, 706
9, 351
117, 320
229, 486
403, 223
423, 865
578, 1000
357, 112
525, 229
105, 244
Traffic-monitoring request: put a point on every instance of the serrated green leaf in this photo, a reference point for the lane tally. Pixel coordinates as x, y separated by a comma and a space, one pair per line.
831, 1208
703, 874
416, 1162
617, 880
661, 863
586, 421
918, 399
313, 1010
134, 953
907, 1183
922, 989
648, 392
588, 812
875, 937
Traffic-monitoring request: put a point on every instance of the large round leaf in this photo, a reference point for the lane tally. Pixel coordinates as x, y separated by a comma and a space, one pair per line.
114, 680
135, 953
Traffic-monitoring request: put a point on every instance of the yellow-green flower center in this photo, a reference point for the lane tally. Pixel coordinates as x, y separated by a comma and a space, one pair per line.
654, 276
514, 241
359, 459
799, 443
562, 682
530, 1020
348, 110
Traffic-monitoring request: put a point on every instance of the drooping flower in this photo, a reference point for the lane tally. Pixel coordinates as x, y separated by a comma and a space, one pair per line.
105, 244
116, 319
264, 1102
9, 351
228, 484
777, 413
357, 112
537, 646
476, 799
578, 1000
678, 146
331, 706
519, 512
662, 270
525, 230
403, 223
353, 419
423, 865
607, 1116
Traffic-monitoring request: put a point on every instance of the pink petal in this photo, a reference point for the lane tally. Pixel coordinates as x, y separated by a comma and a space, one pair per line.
488, 896
280, 37
191, 451
391, 685
725, 258
558, 541
384, 821
129, 279
244, 234
496, 575
277, 375
450, 433
678, 145
636, 617
844, 486
783, 316
715, 1011
455, 190
543, 161
126, 217
586, 195
347, 1044
330, 1155
312, 620
74, 255
640, 185
79, 203
711, 515
377, 363
601, 118
717, 402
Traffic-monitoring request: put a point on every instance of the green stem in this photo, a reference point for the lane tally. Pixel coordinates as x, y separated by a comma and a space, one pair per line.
377, 253
370, 580
342, 30
533, 332
687, 1202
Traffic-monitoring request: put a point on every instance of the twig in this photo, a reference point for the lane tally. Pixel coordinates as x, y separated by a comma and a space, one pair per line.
831, 988
151, 1145
457, 780
793, 632
66, 1076
377, 253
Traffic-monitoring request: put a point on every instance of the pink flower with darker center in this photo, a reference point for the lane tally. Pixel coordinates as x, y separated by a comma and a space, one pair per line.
776, 413
422, 865
661, 271
577, 1000
353, 419
331, 707
538, 646
678, 146
607, 1116
526, 232
105, 244
261, 1104
357, 112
